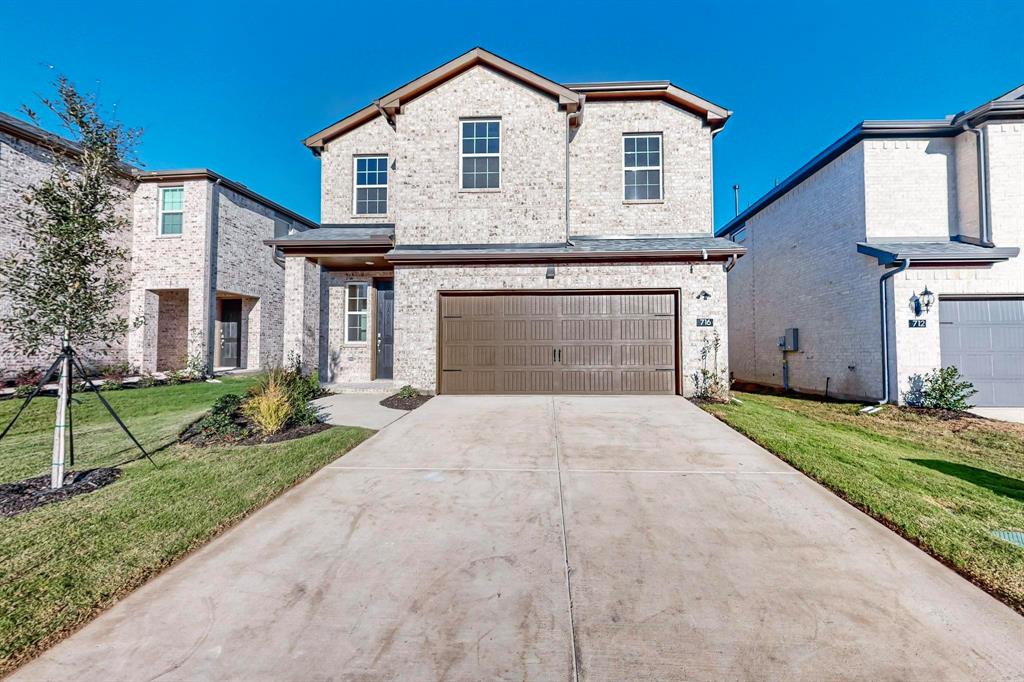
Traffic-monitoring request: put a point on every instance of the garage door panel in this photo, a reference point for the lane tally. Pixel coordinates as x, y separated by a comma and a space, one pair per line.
984, 339
559, 343
594, 356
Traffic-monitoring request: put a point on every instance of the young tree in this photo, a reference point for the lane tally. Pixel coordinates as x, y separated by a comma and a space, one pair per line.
67, 276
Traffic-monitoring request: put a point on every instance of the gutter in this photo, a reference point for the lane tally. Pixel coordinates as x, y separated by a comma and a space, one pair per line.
560, 256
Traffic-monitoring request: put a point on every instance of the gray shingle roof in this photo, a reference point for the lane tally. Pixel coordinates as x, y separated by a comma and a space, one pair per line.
330, 234
580, 247
949, 250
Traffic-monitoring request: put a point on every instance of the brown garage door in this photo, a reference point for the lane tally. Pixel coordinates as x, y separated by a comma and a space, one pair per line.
558, 343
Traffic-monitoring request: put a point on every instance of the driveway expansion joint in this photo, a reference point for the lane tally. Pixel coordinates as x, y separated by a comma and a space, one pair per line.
565, 542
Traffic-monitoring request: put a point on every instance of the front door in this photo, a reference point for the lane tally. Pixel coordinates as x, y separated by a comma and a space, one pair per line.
385, 327
230, 333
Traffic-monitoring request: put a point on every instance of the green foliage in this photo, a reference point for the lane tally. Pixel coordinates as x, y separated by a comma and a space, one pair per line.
221, 418
27, 377
709, 383
944, 389
407, 392
24, 390
299, 388
176, 377
112, 385
269, 409
67, 273
117, 372
146, 380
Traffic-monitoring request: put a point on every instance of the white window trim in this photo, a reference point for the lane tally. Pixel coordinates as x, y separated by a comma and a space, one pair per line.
348, 341
463, 155
161, 212
660, 168
356, 186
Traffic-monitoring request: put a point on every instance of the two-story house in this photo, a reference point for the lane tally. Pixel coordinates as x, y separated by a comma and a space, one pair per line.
487, 230
201, 283
891, 253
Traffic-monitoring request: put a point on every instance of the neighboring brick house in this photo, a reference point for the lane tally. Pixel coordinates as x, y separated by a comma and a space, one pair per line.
937, 207
199, 271
487, 230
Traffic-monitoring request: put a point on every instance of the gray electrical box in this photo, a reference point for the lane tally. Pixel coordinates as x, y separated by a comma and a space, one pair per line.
791, 341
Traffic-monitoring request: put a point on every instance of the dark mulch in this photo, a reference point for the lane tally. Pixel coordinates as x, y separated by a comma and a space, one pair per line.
18, 498
400, 402
246, 435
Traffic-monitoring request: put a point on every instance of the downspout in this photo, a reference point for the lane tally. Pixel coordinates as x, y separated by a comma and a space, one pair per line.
984, 229
568, 115
213, 234
904, 264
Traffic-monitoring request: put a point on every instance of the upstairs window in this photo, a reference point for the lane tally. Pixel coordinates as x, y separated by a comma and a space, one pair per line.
356, 312
642, 167
481, 154
371, 185
172, 208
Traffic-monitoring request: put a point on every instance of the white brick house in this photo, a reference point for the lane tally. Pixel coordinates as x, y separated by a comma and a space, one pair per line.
934, 205
201, 279
487, 230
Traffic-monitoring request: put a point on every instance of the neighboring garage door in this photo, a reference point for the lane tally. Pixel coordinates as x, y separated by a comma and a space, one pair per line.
558, 343
984, 339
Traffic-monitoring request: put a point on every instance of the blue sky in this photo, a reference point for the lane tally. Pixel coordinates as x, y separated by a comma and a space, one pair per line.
236, 86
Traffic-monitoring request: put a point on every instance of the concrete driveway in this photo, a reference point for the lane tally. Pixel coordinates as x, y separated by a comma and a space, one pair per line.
439, 549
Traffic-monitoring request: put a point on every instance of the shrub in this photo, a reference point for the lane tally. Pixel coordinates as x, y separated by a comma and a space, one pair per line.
24, 390
146, 380
709, 384
269, 409
116, 372
221, 418
407, 392
27, 377
112, 385
176, 376
299, 388
944, 389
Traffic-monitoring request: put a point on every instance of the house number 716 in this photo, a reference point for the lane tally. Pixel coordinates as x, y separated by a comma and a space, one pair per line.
705, 322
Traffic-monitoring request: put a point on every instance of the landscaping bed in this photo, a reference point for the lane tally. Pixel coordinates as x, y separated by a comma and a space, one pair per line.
64, 563
945, 480
23, 496
408, 398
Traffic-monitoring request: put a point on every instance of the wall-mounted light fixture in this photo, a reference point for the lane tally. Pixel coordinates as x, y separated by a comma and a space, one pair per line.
921, 303
550, 274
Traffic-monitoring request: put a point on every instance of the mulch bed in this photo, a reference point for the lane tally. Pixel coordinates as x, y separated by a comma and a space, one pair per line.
196, 436
18, 498
398, 402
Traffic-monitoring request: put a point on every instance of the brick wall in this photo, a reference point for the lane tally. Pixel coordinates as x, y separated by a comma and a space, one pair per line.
802, 270
22, 165
416, 304
160, 263
302, 311
597, 203
336, 166
910, 188
246, 267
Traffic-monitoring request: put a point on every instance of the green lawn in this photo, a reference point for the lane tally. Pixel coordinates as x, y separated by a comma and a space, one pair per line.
62, 563
944, 484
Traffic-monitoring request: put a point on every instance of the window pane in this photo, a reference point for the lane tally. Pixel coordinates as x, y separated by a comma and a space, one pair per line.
653, 159
492, 129
654, 144
467, 181
630, 192
641, 144
480, 146
492, 180
492, 164
173, 198
481, 130
467, 129
170, 223
630, 144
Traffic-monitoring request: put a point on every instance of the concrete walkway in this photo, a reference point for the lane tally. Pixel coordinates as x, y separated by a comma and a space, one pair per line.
358, 409
1006, 414
490, 538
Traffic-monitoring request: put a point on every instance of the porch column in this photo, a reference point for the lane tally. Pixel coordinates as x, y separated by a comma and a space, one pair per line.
302, 312
142, 340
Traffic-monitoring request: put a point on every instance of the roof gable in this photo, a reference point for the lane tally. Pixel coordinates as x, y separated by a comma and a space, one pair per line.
391, 104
